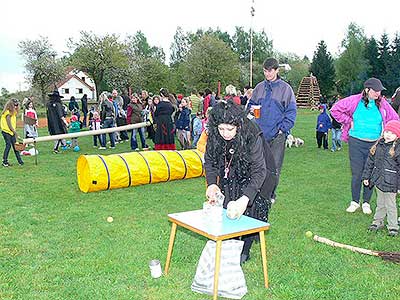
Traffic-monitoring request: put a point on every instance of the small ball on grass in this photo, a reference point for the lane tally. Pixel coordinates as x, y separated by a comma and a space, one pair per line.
110, 219
309, 234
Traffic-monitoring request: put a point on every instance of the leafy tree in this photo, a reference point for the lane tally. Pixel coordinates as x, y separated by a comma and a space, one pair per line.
352, 66
139, 47
208, 61
97, 54
179, 47
371, 54
43, 69
322, 67
4, 92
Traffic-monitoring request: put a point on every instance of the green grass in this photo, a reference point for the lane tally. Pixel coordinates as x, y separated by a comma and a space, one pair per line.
55, 242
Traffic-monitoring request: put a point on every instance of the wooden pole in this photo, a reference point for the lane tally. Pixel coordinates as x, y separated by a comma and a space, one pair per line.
84, 133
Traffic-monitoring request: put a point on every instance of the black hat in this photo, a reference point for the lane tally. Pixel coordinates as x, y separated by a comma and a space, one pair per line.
55, 94
271, 63
375, 84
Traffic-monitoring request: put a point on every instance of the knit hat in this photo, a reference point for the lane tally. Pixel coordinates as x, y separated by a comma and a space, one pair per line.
394, 127
74, 118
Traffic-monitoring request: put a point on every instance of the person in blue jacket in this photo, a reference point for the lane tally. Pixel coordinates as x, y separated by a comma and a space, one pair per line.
323, 125
278, 111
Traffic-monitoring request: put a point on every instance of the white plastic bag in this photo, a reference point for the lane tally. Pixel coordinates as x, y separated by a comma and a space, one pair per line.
231, 281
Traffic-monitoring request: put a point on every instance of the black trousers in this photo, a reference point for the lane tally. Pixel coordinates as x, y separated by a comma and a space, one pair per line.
322, 138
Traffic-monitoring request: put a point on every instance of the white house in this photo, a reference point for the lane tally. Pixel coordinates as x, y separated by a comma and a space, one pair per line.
77, 83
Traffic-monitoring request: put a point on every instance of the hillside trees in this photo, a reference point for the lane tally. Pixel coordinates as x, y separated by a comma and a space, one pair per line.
42, 67
322, 67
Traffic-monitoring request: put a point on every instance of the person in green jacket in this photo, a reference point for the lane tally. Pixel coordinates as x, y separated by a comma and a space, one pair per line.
74, 126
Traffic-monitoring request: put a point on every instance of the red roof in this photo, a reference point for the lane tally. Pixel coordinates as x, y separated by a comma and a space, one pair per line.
69, 77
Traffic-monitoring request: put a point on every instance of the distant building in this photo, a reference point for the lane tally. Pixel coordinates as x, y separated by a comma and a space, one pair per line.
77, 83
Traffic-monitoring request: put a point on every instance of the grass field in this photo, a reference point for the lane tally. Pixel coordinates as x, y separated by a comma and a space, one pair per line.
55, 242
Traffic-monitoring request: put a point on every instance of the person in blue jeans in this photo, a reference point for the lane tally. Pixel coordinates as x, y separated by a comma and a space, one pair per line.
336, 131
135, 115
107, 118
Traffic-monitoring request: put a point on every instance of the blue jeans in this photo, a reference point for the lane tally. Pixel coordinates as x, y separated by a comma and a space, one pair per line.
336, 142
358, 153
134, 144
108, 123
10, 141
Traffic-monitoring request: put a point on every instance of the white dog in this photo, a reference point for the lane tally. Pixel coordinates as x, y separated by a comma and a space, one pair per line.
293, 141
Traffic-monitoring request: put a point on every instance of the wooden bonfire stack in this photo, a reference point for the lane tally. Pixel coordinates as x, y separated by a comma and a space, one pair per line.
308, 93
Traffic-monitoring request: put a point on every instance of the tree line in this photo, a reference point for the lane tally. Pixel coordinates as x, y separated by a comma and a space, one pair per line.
200, 59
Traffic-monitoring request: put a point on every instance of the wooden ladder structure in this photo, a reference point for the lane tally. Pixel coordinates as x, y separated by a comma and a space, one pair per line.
308, 93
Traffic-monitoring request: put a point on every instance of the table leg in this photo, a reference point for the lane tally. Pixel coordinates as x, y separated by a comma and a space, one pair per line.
170, 246
217, 265
264, 257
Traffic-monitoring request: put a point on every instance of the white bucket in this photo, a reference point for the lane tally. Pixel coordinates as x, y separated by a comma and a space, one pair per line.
155, 268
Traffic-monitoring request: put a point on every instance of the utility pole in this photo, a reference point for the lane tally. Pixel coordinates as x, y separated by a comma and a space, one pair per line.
252, 11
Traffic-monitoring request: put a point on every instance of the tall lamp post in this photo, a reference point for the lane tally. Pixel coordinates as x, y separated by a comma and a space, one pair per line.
252, 11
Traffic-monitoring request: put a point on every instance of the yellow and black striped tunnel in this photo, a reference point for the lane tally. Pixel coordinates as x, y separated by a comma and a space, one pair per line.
99, 172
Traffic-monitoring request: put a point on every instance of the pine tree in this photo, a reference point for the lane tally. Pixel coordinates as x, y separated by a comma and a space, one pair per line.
322, 67
371, 54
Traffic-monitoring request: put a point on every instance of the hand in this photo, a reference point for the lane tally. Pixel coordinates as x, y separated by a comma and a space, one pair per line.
235, 209
211, 192
366, 182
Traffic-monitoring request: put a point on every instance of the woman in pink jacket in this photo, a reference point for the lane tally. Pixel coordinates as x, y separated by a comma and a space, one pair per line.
363, 117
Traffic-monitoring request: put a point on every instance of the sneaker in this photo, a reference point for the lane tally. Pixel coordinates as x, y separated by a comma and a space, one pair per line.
102, 148
94, 146
112, 147
332, 150
393, 232
55, 151
137, 149
5, 164
146, 148
353, 207
273, 200
374, 227
338, 149
366, 208
21, 163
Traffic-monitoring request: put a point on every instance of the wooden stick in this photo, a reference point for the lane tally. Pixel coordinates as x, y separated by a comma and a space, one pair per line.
344, 246
84, 133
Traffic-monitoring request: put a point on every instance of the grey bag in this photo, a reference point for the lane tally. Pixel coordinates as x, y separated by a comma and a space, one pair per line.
231, 282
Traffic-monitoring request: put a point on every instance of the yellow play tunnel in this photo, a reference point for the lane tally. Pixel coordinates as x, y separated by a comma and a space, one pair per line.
98, 172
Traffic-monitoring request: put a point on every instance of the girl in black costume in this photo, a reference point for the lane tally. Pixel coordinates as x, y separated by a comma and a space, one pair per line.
239, 163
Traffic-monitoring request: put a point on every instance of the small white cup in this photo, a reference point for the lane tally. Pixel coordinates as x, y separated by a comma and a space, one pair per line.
155, 268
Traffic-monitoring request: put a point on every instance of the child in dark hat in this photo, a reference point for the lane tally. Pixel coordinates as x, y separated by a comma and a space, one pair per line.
323, 125
381, 170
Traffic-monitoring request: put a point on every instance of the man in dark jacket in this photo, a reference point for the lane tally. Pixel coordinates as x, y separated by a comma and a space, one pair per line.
57, 124
278, 111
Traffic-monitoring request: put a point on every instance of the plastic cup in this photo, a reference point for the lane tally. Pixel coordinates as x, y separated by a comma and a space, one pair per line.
256, 111
155, 268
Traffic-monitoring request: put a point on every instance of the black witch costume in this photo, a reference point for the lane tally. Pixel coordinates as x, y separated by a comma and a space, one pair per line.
241, 166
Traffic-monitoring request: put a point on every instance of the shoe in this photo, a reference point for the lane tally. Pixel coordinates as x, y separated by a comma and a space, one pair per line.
102, 148
244, 258
374, 227
112, 147
55, 151
272, 200
366, 208
64, 148
21, 163
338, 149
5, 164
137, 149
146, 148
332, 150
393, 232
353, 207
94, 146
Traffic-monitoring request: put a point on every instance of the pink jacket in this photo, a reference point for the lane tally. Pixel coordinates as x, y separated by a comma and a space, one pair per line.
343, 111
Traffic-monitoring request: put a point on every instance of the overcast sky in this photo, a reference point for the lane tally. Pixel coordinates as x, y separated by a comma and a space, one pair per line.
294, 26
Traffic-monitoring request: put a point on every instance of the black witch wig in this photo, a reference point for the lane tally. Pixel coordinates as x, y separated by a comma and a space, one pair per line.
228, 112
